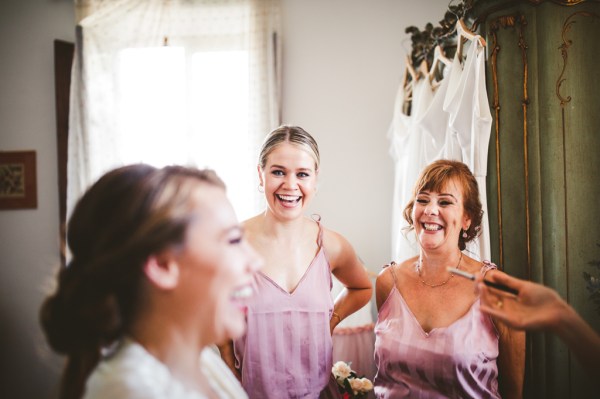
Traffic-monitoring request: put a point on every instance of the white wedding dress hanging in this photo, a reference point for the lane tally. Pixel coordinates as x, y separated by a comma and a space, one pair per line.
415, 144
407, 151
452, 122
469, 129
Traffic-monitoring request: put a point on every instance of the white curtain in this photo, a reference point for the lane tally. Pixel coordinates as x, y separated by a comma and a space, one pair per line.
450, 120
174, 81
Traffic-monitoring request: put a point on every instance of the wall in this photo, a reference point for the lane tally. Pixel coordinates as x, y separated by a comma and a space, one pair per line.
29, 238
342, 62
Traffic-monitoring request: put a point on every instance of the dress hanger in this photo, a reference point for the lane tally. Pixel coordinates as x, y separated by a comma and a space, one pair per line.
410, 77
409, 72
438, 57
423, 70
464, 33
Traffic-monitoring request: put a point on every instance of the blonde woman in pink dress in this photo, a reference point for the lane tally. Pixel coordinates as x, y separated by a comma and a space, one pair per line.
287, 349
432, 339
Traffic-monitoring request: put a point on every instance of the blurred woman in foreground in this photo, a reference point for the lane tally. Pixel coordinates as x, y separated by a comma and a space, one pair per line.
158, 273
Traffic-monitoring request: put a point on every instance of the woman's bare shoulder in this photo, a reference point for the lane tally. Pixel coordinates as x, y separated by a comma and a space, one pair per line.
335, 243
251, 222
254, 230
408, 266
471, 265
398, 269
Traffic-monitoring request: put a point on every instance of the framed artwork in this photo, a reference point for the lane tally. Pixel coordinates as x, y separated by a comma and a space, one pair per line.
18, 184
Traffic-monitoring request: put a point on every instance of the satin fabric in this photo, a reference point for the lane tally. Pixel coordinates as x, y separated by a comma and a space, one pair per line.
287, 349
457, 361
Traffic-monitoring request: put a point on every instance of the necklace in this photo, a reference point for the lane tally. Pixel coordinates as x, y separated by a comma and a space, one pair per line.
440, 284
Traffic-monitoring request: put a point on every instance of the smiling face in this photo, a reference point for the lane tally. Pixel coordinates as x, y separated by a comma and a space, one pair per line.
217, 266
289, 177
439, 216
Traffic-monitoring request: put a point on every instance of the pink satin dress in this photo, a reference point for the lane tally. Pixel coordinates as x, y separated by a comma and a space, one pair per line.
287, 349
457, 361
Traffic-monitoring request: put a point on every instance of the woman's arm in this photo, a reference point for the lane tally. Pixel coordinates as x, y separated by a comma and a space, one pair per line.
541, 308
348, 269
511, 357
511, 361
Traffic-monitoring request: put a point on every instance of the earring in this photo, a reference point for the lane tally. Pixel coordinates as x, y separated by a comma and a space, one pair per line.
261, 189
464, 234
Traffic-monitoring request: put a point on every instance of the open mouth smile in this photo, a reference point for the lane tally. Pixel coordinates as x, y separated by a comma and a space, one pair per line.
241, 293
289, 199
431, 226
241, 296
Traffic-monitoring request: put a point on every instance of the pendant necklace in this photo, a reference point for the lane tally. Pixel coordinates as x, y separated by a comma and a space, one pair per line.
440, 284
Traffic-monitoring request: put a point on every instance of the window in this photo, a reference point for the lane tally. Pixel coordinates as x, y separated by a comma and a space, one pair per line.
205, 99
184, 108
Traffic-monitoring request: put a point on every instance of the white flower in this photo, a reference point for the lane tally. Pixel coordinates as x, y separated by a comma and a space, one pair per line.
349, 383
360, 385
341, 371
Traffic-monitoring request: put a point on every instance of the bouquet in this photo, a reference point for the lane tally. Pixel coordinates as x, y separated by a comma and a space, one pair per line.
349, 384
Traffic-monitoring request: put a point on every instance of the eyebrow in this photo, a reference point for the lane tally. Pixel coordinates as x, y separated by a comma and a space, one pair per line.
236, 228
440, 194
283, 167
447, 195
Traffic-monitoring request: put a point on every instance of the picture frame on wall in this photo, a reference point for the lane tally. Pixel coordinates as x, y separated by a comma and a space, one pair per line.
18, 180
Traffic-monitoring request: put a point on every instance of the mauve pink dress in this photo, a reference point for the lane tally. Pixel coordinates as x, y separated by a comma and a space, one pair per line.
287, 349
457, 361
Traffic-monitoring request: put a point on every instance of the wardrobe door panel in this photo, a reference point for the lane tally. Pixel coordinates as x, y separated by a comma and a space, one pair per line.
544, 162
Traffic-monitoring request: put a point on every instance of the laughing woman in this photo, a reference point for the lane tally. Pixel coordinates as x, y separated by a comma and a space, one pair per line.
432, 339
287, 350
159, 264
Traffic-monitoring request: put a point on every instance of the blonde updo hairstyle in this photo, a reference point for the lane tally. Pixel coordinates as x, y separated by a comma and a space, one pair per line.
434, 178
128, 215
289, 134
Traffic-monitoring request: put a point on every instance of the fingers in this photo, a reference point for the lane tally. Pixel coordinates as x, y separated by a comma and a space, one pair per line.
478, 277
497, 313
505, 279
492, 298
498, 304
486, 296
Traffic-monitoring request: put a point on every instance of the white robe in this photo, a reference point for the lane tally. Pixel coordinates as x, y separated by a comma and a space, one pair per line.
132, 372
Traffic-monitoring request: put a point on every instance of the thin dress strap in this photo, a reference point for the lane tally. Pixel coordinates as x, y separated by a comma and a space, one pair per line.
391, 266
317, 218
487, 266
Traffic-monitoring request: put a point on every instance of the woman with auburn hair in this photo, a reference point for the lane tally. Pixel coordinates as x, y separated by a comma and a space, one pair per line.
432, 338
160, 271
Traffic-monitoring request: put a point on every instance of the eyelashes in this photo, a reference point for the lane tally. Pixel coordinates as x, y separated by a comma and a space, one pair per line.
236, 240
300, 175
423, 201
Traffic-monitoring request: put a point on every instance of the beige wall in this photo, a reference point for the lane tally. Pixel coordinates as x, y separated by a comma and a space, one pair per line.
28, 238
342, 64
343, 60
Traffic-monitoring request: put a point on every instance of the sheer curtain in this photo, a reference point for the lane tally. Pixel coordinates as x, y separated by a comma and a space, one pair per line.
174, 81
